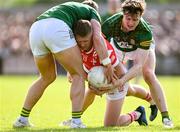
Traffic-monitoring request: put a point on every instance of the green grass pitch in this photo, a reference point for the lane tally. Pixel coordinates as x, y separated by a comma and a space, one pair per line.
55, 106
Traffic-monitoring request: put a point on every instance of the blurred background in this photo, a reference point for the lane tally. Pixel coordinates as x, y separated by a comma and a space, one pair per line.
16, 17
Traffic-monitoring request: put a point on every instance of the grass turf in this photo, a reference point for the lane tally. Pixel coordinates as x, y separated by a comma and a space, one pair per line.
55, 106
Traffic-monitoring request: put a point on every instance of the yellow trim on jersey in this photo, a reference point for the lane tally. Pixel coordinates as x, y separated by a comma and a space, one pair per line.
146, 43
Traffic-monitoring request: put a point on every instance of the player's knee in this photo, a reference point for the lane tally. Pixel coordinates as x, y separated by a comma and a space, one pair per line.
77, 77
122, 123
49, 78
149, 75
78, 74
131, 91
52, 78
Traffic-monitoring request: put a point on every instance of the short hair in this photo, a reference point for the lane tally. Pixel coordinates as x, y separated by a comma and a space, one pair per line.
133, 6
82, 28
91, 3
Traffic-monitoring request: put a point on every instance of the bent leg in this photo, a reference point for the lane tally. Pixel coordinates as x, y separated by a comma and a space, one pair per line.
154, 85
71, 60
113, 115
47, 69
88, 99
137, 91
113, 110
124, 120
140, 92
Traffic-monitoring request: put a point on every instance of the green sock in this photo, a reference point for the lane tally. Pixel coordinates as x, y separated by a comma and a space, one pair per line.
25, 112
76, 114
165, 114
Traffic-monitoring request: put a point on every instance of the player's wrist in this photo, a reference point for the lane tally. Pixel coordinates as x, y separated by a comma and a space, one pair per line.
106, 61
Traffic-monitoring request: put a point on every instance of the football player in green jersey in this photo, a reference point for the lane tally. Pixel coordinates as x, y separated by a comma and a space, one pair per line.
132, 39
51, 38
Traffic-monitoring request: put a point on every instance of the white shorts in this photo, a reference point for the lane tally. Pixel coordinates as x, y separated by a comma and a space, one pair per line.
125, 56
50, 35
116, 94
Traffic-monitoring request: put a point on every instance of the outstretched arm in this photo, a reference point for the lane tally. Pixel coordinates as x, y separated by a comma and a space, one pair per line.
141, 57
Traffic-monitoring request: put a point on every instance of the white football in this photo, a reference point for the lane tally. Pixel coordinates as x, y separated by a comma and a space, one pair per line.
96, 76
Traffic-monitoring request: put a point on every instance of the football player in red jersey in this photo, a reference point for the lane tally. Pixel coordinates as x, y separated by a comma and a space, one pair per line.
115, 98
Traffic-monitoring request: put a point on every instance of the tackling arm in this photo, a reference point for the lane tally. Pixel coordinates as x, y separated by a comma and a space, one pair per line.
137, 67
99, 44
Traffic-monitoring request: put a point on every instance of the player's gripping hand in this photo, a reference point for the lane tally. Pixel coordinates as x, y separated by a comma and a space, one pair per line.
98, 90
109, 73
119, 84
104, 88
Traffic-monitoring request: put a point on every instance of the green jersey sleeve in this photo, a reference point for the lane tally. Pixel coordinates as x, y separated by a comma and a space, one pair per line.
145, 41
144, 35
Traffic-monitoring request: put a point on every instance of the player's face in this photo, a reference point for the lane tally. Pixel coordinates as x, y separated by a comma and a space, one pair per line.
84, 43
130, 22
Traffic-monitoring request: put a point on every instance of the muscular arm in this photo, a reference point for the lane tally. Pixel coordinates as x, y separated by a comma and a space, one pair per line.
98, 40
137, 67
99, 44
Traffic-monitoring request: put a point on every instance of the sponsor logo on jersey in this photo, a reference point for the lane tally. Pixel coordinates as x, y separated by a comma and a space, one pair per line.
132, 41
125, 45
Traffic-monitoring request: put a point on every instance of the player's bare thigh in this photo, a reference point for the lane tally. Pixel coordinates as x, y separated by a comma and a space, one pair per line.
150, 62
71, 60
46, 66
113, 111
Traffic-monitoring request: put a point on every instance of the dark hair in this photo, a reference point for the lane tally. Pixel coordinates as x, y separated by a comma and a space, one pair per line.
82, 28
134, 6
91, 3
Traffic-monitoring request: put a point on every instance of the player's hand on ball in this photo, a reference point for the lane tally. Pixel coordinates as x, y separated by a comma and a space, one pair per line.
98, 91
98, 80
119, 83
109, 73
95, 90
106, 87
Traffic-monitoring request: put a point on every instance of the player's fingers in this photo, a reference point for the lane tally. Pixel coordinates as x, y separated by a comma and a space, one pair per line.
108, 78
105, 87
115, 76
95, 90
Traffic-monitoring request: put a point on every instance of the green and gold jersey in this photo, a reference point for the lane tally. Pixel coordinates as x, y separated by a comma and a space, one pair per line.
105, 16
141, 37
71, 12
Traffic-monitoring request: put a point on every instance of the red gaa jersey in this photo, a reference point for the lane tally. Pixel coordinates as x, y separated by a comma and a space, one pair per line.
91, 58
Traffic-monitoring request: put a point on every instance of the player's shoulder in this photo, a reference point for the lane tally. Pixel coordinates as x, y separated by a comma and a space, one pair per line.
144, 34
143, 31
145, 27
113, 19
